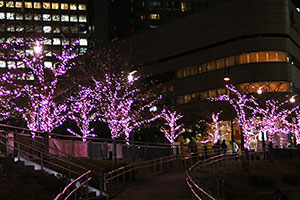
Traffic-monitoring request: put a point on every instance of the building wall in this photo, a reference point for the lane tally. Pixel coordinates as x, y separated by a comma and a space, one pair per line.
230, 29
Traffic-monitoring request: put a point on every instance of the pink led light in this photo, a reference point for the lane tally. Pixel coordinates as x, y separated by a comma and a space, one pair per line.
171, 129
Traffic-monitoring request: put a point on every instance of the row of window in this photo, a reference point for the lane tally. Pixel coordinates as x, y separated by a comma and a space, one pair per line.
20, 64
44, 5
43, 17
54, 41
75, 29
245, 58
244, 87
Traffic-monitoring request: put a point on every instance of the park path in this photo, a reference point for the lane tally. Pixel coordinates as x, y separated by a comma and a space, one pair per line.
171, 186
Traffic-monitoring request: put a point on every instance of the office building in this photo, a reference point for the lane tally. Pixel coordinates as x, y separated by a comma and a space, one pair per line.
256, 42
58, 22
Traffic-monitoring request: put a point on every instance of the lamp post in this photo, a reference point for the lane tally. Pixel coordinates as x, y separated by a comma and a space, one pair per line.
38, 50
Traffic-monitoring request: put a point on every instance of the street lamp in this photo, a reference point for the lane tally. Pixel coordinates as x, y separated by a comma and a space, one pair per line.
38, 49
259, 91
292, 99
130, 76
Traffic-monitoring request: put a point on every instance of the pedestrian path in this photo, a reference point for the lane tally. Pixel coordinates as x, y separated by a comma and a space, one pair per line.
170, 186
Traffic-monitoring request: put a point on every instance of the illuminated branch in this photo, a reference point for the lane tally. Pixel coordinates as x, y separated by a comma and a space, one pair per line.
172, 130
36, 84
83, 112
214, 134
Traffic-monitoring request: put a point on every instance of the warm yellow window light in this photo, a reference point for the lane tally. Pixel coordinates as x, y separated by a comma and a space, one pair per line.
64, 6
10, 4
154, 16
1, 3
55, 6
18, 4
28, 4
81, 7
37, 5
73, 6
46, 5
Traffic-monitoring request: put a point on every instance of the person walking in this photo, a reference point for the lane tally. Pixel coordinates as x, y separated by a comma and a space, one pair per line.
224, 146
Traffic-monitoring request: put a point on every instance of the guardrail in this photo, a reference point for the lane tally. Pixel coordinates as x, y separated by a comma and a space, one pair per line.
213, 164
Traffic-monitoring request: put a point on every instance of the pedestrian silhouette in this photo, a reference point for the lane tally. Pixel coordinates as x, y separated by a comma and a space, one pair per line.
224, 146
216, 147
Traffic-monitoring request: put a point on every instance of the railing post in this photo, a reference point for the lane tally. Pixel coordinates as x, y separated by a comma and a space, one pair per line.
18, 146
42, 160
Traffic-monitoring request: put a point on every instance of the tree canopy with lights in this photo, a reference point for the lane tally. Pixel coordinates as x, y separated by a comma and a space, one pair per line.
34, 85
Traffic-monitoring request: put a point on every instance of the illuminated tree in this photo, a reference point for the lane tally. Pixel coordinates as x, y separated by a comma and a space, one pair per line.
171, 129
275, 118
83, 112
295, 126
39, 100
215, 129
123, 106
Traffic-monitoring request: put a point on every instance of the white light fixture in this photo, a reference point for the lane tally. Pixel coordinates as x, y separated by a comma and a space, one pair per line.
130, 76
292, 99
259, 91
38, 48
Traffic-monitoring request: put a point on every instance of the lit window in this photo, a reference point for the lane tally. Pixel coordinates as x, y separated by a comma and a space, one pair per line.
66, 41
143, 17
186, 72
10, 4
64, 6
202, 68
2, 64
73, 6
47, 29
211, 66
1, 3
56, 30
11, 65
56, 18
18, 4
82, 18
262, 57
19, 16
37, 17
220, 63
28, 4
37, 5
48, 64
154, 16
83, 49
230, 61
83, 42
194, 70
10, 16
48, 42
73, 18
55, 6
187, 98
46, 5
19, 28
2, 15
28, 16
243, 59
10, 28
64, 18
20, 64
49, 54
184, 6
81, 7
56, 41
46, 17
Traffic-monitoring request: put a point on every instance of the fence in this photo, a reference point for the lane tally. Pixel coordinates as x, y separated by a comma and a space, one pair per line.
212, 165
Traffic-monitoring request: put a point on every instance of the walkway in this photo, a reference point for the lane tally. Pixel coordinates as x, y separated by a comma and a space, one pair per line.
165, 187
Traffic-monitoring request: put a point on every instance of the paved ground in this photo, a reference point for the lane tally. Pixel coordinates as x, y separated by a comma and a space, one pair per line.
165, 187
